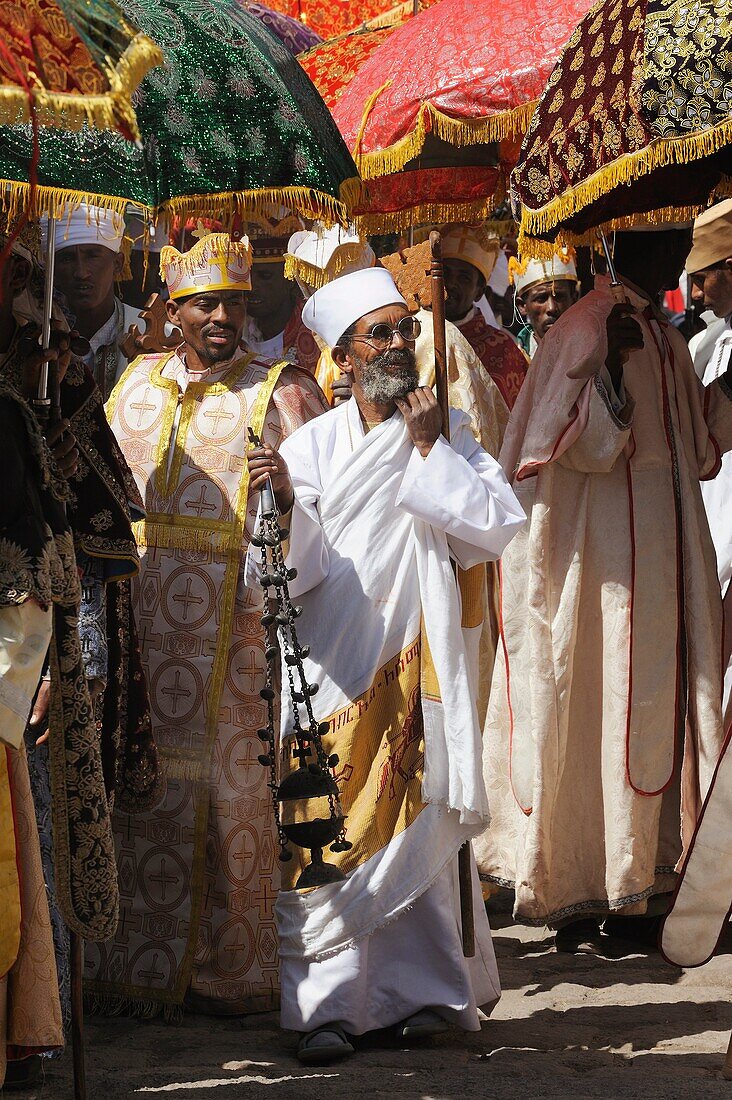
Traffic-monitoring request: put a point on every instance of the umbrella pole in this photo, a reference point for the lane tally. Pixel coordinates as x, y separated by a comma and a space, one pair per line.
77, 1015
616, 287
437, 284
42, 402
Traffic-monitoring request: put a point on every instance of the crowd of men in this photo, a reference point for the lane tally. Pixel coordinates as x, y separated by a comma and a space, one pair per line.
562, 711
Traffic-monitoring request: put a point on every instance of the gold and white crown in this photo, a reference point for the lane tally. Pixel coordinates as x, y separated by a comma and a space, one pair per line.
214, 263
529, 272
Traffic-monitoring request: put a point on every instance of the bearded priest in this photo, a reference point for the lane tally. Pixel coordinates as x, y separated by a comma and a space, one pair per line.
198, 874
381, 505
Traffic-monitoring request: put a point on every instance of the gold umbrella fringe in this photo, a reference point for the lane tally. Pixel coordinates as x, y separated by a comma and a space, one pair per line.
540, 249
225, 207
459, 132
72, 111
428, 213
662, 153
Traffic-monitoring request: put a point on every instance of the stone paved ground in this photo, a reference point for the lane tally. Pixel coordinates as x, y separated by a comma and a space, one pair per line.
579, 1028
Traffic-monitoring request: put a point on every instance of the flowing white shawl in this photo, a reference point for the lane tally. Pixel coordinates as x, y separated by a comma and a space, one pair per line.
388, 571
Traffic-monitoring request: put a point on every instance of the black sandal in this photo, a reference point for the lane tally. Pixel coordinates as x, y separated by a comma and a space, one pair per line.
320, 1054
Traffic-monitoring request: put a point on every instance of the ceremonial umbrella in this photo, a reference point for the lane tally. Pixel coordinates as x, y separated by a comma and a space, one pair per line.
68, 63
229, 125
435, 115
332, 17
333, 64
293, 34
634, 125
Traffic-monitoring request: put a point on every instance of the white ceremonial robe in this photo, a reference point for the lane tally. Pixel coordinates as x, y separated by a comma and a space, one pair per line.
717, 497
370, 951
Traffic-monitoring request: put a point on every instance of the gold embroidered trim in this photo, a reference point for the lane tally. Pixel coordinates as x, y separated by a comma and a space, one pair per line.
659, 154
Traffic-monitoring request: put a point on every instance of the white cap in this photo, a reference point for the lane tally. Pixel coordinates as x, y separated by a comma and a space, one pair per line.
87, 224
335, 307
316, 257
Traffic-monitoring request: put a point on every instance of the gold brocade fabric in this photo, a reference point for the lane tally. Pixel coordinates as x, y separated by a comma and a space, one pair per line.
198, 874
379, 740
641, 90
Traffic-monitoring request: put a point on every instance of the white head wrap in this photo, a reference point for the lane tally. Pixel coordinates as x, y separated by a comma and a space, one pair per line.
86, 225
335, 307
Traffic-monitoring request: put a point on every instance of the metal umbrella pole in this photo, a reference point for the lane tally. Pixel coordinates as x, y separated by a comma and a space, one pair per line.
42, 398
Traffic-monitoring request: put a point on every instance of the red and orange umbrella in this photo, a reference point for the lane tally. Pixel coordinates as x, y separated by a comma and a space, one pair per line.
435, 116
329, 18
67, 63
333, 64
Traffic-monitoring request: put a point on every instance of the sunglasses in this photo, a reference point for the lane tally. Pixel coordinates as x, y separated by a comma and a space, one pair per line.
380, 337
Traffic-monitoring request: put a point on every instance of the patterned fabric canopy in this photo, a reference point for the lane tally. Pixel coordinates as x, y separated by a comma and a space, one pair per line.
462, 73
291, 32
73, 62
635, 123
331, 17
332, 65
229, 125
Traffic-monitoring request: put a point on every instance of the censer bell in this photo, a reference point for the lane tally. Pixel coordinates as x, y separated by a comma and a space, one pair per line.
312, 781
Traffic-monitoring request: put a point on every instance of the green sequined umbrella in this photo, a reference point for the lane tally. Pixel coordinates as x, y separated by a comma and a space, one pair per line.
229, 125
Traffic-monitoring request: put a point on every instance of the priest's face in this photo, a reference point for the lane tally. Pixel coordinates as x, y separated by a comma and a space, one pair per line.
85, 274
542, 305
380, 374
464, 285
211, 323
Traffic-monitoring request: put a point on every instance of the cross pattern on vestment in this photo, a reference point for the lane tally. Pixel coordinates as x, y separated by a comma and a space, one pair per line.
264, 897
142, 407
247, 760
163, 878
152, 974
186, 598
148, 638
124, 919
243, 854
236, 944
218, 414
201, 505
176, 692
251, 670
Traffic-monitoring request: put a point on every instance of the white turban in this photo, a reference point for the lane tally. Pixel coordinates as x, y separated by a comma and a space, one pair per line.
86, 225
338, 305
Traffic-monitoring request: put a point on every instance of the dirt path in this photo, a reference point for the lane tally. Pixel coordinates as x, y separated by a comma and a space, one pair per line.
566, 1028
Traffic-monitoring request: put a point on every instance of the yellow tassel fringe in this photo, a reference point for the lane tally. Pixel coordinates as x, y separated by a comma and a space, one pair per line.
434, 214
660, 154
72, 110
224, 206
459, 132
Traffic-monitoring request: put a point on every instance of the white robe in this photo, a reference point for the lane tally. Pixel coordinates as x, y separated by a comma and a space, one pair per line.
405, 954
717, 493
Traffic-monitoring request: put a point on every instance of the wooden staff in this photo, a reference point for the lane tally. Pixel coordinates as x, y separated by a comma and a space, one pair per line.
437, 283
77, 1015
